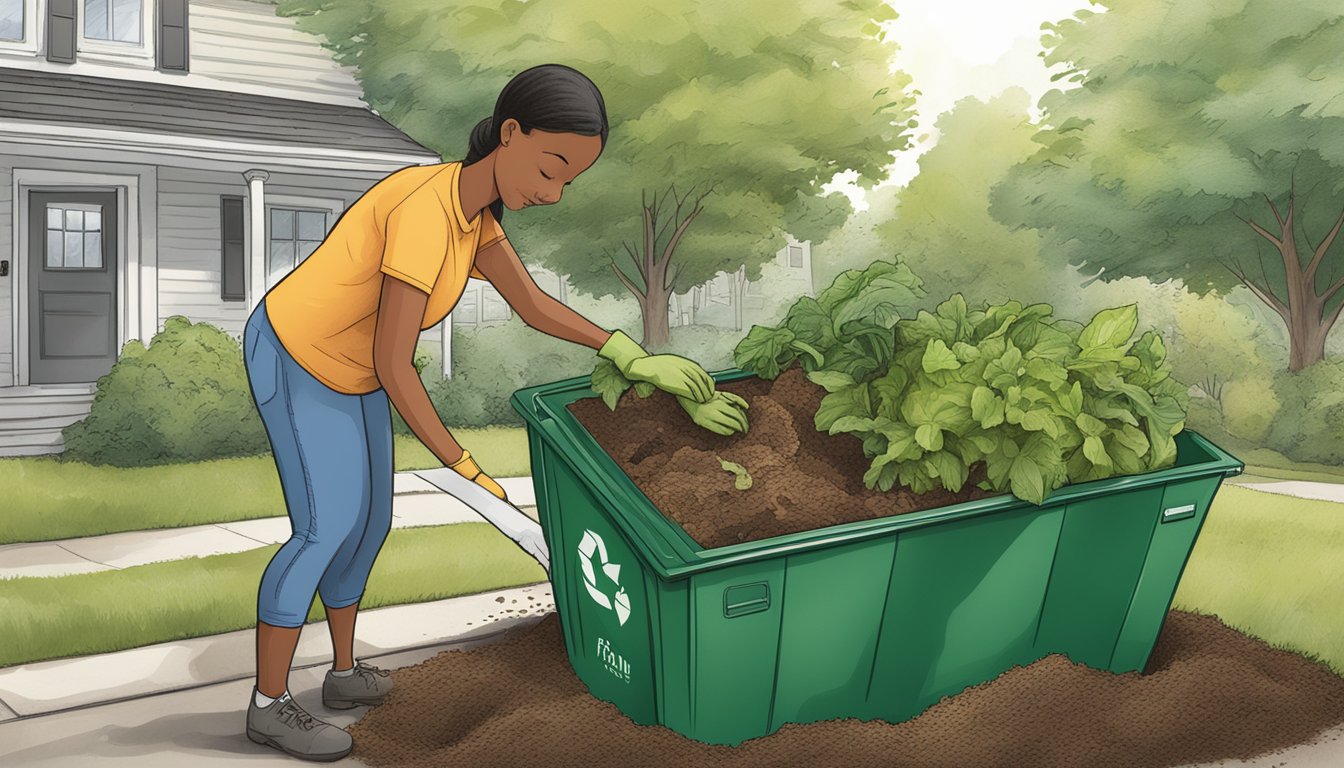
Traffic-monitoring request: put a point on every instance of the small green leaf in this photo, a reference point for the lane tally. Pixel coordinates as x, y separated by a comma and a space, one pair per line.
831, 381
1028, 480
1051, 344
1047, 370
764, 351
949, 468
644, 388
987, 407
1040, 420
965, 352
743, 480
1133, 439
803, 346
1072, 401
1110, 328
607, 381
937, 357
889, 388
1089, 425
1095, 451
929, 437
852, 401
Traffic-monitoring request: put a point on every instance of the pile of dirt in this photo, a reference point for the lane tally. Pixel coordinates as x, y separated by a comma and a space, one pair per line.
1209, 693
802, 479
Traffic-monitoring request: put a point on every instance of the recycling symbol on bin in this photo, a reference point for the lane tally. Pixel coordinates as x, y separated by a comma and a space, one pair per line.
621, 602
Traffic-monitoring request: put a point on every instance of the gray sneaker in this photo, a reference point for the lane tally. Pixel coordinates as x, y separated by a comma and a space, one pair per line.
367, 686
287, 727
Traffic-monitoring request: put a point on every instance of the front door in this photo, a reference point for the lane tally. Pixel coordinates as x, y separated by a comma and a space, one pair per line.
72, 286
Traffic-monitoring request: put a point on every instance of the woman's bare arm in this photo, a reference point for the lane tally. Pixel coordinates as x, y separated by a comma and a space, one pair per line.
400, 310
502, 267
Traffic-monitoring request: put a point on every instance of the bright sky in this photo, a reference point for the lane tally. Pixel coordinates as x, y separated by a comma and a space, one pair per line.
959, 48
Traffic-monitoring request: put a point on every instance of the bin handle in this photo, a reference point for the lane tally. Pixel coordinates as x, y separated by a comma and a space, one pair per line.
745, 599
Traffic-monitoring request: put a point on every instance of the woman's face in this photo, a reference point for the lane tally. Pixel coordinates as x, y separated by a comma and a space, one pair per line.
534, 168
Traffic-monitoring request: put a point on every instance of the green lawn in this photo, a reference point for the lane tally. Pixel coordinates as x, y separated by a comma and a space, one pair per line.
1265, 463
1270, 565
61, 616
47, 498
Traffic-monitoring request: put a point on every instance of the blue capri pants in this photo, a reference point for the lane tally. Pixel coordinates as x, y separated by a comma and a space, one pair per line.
334, 455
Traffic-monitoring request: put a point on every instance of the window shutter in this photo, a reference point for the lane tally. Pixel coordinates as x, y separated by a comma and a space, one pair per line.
61, 31
232, 285
173, 52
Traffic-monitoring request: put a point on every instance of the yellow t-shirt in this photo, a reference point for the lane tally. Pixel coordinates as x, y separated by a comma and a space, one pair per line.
409, 225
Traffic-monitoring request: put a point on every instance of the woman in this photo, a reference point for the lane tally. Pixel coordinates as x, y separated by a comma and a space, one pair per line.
333, 342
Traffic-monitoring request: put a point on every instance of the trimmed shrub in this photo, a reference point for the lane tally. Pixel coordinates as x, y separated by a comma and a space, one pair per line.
1309, 425
1250, 407
1204, 417
185, 397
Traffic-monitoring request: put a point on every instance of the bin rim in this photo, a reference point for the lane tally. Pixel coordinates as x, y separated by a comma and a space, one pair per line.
673, 554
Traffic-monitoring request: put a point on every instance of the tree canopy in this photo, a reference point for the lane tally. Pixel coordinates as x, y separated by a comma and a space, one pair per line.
726, 118
1202, 141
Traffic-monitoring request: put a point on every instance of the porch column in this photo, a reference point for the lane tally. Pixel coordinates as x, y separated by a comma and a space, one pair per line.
446, 342
256, 243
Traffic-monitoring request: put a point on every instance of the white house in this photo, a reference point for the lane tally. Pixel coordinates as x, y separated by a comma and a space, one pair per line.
157, 158
730, 300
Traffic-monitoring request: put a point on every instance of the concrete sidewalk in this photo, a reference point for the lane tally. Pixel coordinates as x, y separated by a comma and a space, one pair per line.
48, 687
204, 725
1303, 489
415, 503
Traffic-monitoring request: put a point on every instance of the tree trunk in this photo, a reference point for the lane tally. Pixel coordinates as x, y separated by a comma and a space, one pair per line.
654, 309
652, 259
1306, 337
1303, 311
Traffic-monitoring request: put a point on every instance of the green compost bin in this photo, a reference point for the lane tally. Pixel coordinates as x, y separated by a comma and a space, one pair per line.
872, 619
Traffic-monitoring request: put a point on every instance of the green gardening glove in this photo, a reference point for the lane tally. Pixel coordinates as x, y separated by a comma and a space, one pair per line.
724, 414
671, 373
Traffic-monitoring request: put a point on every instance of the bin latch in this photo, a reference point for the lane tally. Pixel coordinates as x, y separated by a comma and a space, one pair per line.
745, 599
1178, 513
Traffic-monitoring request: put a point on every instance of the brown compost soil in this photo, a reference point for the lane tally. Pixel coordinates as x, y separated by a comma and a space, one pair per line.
802, 479
1209, 693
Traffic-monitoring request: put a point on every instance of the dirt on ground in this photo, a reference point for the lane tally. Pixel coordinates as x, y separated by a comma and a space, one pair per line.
802, 479
1208, 693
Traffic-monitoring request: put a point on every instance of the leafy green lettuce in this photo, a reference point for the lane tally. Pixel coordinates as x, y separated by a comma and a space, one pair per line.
1041, 401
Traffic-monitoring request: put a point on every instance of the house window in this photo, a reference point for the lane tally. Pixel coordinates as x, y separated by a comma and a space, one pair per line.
74, 237
11, 19
796, 256
493, 306
114, 20
480, 304
466, 311
233, 278
295, 234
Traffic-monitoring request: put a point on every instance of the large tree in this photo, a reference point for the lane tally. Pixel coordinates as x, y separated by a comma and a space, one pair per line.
940, 223
1203, 141
726, 119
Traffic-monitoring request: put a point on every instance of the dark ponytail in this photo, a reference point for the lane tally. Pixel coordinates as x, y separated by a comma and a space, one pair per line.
551, 97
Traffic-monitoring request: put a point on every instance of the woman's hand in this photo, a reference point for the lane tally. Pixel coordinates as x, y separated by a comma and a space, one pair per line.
724, 414
673, 374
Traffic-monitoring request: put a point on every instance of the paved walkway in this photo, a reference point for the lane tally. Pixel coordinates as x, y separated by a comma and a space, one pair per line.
183, 704
1303, 489
415, 503
46, 687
